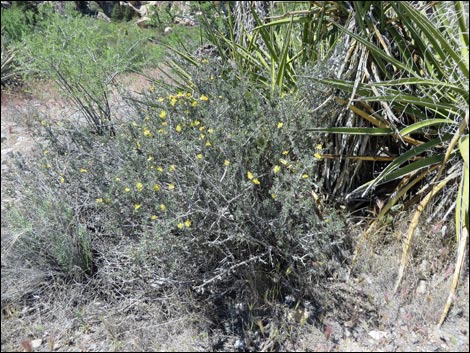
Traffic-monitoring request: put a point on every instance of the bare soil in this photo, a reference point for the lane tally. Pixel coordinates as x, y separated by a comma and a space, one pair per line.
364, 315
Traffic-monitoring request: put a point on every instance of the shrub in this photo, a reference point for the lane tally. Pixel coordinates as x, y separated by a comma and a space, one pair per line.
215, 186
83, 56
17, 22
117, 13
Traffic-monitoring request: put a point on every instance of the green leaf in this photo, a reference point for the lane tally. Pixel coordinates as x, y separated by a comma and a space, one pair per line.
420, 124
354, 130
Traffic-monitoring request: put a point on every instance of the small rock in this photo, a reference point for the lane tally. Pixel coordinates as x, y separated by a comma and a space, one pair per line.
102, 16
167, 30
239, 344
144, 22
36, 343
422, 287
377, 335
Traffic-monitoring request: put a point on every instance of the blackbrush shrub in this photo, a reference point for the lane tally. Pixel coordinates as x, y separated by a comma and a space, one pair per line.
213, 183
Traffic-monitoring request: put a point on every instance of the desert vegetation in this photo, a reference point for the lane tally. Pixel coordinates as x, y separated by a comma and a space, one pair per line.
248, 185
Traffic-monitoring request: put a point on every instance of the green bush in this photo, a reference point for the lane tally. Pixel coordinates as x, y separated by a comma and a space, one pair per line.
17, 23
83, 56
117, 13
214, 184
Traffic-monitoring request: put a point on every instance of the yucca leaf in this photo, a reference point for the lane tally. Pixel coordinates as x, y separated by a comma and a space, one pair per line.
440, 43
355, 130
407, 156
421, 124
414, 223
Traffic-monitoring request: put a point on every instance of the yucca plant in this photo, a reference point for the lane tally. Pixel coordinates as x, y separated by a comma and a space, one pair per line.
273, 51
412, 88
9, 68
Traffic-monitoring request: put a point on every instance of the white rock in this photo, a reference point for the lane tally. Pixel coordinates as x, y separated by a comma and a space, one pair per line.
422, 287
377, 335
36, 343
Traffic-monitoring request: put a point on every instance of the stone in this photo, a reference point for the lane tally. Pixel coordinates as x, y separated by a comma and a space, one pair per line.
102, 16
144, 22
377, 335
422, 287
36, 343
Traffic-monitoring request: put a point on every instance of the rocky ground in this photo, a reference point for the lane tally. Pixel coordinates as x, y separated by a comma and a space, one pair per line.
364, 314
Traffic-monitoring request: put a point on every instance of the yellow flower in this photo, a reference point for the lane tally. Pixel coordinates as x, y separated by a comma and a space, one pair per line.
202, 137
199, 156
153, 217
46, 152
160, 169
255, 181
220, 97
283, 161
117, 179
62, 180
152, 88
161, 99
82, 170
210, 130
172, 168
226, 163
156, 187
147, 133
304, 176
150, 158
99, 200
280, 125
195, 123
317, 155
187, 223
204, 61
194, 104
202, 128
43, 122
274, 196
276, 169
188, 94
162, 207
285, 152
178, 128
249, 175
173, 101
319, 146
162, 114
139, 186
204, 98
180, 225
127, 189
212, 77
137, 206
171, 186
208, 144
160, 131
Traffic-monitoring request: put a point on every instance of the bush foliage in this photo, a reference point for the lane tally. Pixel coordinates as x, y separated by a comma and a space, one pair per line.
214, 184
